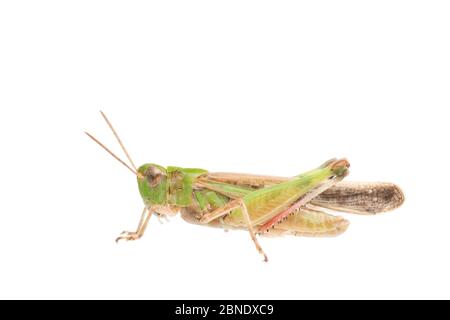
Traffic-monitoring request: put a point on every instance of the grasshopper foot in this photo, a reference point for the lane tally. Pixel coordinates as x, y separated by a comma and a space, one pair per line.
128, 236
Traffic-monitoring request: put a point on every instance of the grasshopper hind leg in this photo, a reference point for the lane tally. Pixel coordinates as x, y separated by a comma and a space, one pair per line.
251, 231
309, 222
222, 211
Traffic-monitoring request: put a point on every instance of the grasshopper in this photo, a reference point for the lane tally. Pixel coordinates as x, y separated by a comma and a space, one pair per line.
262, 205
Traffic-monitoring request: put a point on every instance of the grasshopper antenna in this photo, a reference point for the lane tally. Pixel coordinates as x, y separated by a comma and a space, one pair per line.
118, 140
111, 153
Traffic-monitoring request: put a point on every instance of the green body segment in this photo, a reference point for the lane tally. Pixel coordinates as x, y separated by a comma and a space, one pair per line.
202, 200
207, 200
180, 183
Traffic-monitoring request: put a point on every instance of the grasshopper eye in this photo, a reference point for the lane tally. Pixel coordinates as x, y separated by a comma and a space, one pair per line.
153, 176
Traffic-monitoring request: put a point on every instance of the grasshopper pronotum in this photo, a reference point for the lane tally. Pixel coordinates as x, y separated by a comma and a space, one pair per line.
263, 205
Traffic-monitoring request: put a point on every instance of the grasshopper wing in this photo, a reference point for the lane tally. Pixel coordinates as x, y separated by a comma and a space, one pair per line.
352, 197
365, 198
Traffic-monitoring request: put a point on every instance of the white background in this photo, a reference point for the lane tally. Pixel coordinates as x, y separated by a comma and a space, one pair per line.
270, 87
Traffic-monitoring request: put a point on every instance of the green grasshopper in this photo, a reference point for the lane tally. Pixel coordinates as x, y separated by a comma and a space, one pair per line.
262, 205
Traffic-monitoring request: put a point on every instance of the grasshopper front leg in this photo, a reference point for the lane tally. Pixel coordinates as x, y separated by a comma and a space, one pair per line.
134, 235
235, 204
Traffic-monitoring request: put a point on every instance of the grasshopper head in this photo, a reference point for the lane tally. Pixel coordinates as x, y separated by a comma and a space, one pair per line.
152, 181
